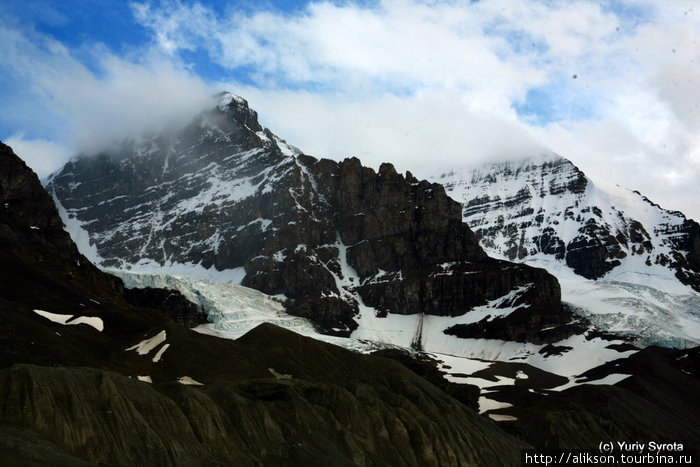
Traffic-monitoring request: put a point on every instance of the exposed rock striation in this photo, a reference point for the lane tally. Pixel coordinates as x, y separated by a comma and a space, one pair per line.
104, 417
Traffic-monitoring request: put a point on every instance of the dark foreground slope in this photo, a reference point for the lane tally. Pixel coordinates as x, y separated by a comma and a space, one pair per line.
69, 393
387, 416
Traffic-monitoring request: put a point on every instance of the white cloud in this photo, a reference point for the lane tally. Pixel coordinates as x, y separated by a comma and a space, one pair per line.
131, 100
415, 82
421, 83
609, 151
417, 133
88, 107
44, 157
393, 47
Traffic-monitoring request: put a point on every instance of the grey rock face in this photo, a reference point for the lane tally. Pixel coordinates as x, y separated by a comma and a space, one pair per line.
546, 205
224, 193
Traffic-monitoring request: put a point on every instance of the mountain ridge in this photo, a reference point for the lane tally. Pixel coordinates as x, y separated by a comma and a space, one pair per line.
284, 395
226, 194
573, 226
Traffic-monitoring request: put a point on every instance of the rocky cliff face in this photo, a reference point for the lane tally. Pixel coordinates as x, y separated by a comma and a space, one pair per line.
172, 302
545, 206
34, 241
30, 228
226, 195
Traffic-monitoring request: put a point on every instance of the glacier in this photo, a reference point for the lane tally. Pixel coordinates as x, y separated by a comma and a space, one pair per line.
234, 310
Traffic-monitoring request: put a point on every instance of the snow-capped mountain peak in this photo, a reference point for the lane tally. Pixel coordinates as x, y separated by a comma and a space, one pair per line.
629, 264
547, 205
227, 98
226, 197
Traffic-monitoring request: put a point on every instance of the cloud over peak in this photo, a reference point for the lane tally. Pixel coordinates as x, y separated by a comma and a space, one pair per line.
611, 85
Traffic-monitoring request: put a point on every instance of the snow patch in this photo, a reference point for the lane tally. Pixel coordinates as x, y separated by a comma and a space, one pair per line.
486, 404
159, 354
145, 346
92, 321
279, 375
286, 148
77, 233
497, 417
186, 380
607, 380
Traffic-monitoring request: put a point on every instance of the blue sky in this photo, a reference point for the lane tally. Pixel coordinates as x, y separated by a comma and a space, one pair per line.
424, 84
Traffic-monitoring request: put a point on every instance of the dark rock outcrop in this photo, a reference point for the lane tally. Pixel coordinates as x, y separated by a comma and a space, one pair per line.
171, 302
522, 326
31, 231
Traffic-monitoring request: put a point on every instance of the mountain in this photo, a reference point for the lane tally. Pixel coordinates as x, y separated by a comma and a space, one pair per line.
87, 378
631, 266
376, 256
225, 198
546, 205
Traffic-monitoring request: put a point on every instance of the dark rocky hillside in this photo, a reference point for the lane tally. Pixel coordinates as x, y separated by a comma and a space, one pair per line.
657, 402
